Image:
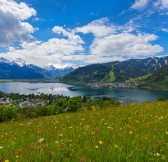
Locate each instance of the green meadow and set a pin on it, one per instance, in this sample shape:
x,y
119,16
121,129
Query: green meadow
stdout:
x,y
134,133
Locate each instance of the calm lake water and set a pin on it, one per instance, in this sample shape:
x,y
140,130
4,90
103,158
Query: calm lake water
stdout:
x,y
136,95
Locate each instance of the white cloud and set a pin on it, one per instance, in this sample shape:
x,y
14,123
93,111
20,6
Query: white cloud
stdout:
x,y
110,43
165,30
125,44
20,10
140,4
119,41
67,33
161,4
37,19
102,27
12,22
51,52
98,27
91,59
164,3
155,5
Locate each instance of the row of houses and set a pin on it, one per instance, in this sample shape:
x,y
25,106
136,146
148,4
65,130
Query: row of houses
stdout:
x,y
5,101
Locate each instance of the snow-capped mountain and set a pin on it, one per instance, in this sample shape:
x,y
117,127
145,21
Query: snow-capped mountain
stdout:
x,y
52,67
20,62
59,71
20,69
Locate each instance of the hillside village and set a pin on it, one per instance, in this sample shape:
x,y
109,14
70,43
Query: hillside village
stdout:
x,y
31,100
6,101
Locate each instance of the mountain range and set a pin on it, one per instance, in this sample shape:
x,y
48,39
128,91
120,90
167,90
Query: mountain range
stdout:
x,y
115,71
53,72
149,72
20,69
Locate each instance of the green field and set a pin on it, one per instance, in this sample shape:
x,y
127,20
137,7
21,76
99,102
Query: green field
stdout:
x,y
130,133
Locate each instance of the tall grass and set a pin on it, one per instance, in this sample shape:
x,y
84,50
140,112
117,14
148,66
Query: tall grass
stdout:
x,y
132,133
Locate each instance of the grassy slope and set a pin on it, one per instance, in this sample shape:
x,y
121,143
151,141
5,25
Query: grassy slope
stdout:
x,y
114,71
88,74
135,133
157,80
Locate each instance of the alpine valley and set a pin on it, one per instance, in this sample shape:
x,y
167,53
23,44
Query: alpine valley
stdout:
x,y
151,72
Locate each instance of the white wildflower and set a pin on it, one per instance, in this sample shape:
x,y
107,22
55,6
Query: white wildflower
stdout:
x,y
41,140
157,154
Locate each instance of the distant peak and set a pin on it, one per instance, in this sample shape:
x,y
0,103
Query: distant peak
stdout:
x,y
50,67
20,62
53,67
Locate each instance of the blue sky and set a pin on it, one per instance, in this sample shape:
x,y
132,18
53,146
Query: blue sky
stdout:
x,y
73,32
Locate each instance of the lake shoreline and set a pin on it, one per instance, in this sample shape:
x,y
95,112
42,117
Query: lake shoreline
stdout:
x,y
122,94
121,85
97,85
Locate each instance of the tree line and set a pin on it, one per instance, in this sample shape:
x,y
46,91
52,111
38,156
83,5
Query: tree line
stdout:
x,y
55,104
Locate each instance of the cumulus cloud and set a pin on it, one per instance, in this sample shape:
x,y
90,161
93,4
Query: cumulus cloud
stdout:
x,y
156,5
13,25
140,4
110,43
52,51
98,27
67,33
119,41
125,44
161,4
102,28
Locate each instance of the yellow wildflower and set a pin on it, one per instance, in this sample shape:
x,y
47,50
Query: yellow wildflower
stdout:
x,y
166,133
116,146
96,147
6,160
130,132
61,135
101,142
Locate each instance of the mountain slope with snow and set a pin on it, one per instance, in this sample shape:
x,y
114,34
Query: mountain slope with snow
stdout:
x,y
16,72
108,72
20,69
56,72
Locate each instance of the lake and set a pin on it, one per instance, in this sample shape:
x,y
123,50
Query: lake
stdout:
x,y
136,95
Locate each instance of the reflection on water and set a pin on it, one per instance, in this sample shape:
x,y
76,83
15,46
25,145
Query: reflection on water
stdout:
x,y
138,95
